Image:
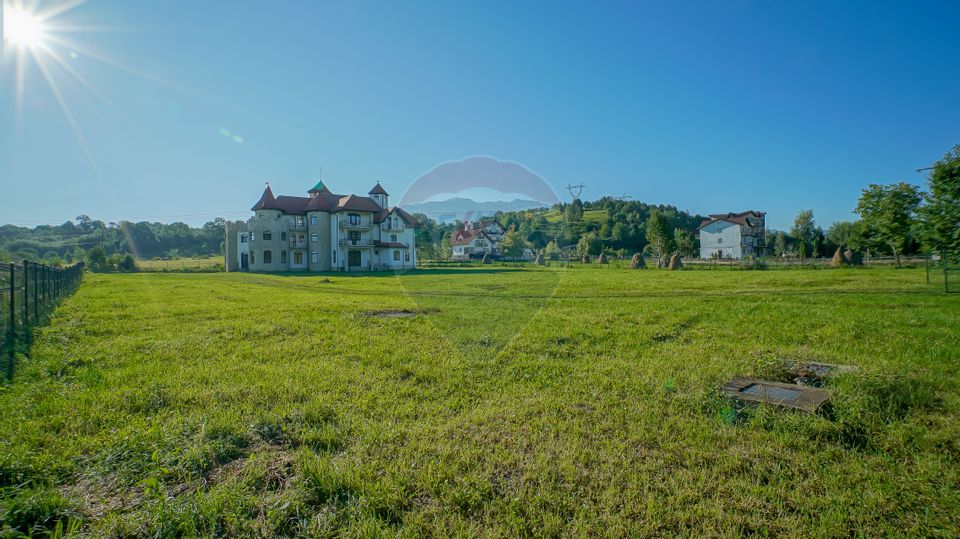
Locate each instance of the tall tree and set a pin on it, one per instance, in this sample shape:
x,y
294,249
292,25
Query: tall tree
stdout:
x,y
514,243
589,244
942,210
781,244
805,229
685,241
845,234
887,213
658,235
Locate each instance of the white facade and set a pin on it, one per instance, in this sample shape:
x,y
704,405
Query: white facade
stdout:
x,y
324,232
733,235
475,239
720,239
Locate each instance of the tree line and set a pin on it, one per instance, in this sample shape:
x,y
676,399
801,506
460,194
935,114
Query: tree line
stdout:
x,y
107,245
609,225
896,219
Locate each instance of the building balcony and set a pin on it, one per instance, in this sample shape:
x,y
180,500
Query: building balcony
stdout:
x,y
387,227
356,243
363,224
298,244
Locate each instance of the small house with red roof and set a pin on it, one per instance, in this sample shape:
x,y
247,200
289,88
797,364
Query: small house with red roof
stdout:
x,y
322,231
477,238
733,235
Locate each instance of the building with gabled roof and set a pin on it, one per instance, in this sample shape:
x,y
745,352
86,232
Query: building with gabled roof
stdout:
x,y
733,235
323,231
476,238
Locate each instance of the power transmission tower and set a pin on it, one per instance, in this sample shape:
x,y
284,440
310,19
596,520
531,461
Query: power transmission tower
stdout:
x,y
575,190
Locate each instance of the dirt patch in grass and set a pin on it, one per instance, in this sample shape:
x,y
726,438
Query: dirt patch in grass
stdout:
x,y
398,313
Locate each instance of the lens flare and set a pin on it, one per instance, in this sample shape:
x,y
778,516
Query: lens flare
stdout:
x,y
22,28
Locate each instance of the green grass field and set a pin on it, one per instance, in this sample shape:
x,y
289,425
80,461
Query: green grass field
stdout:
x,y
516,402
180,264
553,216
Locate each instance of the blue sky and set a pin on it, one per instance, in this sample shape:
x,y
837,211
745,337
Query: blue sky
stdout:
x,y
710,106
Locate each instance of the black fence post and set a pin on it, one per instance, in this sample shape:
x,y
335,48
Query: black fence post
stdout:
x,y
36,295
11,329
26,306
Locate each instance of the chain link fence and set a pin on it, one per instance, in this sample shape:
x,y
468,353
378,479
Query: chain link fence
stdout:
x,y
28,294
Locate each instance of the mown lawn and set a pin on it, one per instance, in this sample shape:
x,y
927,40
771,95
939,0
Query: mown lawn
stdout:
x,y
181,264
517,402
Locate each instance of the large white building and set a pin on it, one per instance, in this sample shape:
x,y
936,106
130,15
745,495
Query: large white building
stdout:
x,y
733,235
322,232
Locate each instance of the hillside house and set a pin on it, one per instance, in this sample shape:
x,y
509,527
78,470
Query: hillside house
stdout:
x,y
322,232
477,238
733,235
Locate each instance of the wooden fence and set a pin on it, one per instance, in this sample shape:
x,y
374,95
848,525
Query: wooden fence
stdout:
x,y
28,293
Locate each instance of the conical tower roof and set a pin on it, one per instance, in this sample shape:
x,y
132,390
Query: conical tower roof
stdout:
x,y
267,201
319,188
378,190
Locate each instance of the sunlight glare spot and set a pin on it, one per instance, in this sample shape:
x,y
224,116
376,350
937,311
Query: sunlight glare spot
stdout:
x,y
22,28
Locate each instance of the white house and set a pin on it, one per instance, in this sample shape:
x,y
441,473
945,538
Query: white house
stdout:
x,y
477,238
322,232
732,235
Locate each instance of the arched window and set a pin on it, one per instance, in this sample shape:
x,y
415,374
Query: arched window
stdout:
x,y
354,218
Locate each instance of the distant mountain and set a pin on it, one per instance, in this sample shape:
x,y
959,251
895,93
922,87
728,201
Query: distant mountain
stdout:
x,y
448,211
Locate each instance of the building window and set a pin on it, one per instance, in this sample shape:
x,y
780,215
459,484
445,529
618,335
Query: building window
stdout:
x,y
406,256
283,257
354,237
253,236
396,255
267,257
267,236
393,238
720,240
313,220
334,257
314,257
314,237
298,221
251,258
243,238
354,219
283,236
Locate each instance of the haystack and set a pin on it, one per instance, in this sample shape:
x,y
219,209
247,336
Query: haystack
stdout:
x,y
602,259
839,260
675,262
539,260
486,258
637,262
585,259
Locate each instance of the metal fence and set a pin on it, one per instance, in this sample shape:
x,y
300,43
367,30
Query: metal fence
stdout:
x,y
28,293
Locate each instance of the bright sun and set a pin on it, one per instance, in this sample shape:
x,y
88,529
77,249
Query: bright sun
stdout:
x,y
22,28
